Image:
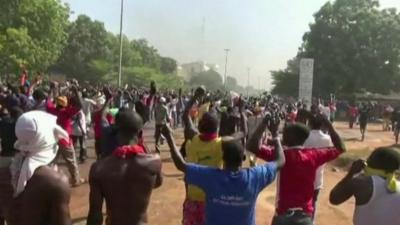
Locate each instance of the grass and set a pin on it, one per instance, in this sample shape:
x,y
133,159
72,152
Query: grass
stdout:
x,y
345,160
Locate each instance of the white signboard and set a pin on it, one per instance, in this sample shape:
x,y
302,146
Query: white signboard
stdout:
x,y
306,80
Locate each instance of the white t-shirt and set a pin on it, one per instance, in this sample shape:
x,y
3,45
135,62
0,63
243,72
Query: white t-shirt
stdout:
x,y
79,124
87,108
317,139
325,110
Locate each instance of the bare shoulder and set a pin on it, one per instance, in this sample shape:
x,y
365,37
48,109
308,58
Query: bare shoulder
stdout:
x,y
150,161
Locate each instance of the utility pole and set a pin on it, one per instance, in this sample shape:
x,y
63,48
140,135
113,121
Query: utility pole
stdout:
x,y
248,80
120,44
226,64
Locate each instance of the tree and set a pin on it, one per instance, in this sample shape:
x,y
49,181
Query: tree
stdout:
x,y
355,46
149,55
32,33
168,65
211,79
87,41
286,82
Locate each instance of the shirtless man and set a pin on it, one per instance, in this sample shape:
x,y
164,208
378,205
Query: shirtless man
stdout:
x,y
126,178
31,192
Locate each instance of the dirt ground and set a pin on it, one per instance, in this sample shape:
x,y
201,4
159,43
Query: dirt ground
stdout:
x,y
166,202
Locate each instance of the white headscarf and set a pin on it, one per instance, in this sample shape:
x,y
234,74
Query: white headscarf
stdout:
x,y
37,136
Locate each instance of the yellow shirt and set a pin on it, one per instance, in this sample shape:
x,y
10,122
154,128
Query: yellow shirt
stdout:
x,y
207,153
203,109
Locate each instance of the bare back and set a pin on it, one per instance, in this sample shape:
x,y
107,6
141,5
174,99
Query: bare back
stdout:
x,y
126,185
45,200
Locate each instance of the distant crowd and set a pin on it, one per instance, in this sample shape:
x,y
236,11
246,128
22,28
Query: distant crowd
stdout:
x,y
46,124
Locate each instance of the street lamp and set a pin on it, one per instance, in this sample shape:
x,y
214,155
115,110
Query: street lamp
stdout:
x,y
248,80
120,44
226,64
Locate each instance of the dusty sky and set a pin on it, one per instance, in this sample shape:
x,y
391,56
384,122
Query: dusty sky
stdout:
x,y
262,34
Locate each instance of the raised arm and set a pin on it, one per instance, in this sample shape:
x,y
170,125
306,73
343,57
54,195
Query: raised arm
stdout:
x,y
103,110
179,162
336,140
253,144
243,118
349,185
190,130
78,97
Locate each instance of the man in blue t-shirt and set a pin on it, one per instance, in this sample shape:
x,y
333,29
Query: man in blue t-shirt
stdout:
x,y
231,193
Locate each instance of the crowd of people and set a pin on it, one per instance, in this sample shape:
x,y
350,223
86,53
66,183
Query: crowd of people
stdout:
x,y
44,122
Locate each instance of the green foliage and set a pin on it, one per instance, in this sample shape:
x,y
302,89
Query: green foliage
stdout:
x,y
286,82
355,45
93,54
87,41
37,34
141,76
211,79
31,33
168,65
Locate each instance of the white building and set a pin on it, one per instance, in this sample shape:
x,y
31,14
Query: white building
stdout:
x,y
187,70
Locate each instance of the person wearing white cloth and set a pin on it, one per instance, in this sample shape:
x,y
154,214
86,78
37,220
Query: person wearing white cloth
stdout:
x,y
317,139
40,195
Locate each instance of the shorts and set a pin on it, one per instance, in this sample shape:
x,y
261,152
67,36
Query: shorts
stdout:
x,y
193,213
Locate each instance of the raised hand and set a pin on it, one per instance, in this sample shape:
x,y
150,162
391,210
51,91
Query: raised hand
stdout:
x,y
107,93
357,166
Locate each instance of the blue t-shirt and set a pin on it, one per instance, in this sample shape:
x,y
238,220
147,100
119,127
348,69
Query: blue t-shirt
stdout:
x,y
230,196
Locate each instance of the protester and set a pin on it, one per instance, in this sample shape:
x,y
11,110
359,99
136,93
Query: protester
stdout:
x,y
253,121
202,147
7,131
65,112
161,115
374,186
126,178
363,119
231,192
396,124
173,110
317,139
79,131
229,122
87,107
296,180
101,120
353,113
32,192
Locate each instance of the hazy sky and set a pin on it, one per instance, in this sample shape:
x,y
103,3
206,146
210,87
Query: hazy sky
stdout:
x,y
262,34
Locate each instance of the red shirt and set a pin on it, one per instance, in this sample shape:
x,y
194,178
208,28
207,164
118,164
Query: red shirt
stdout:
x,y
64,118
296,179
353,111
97,123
